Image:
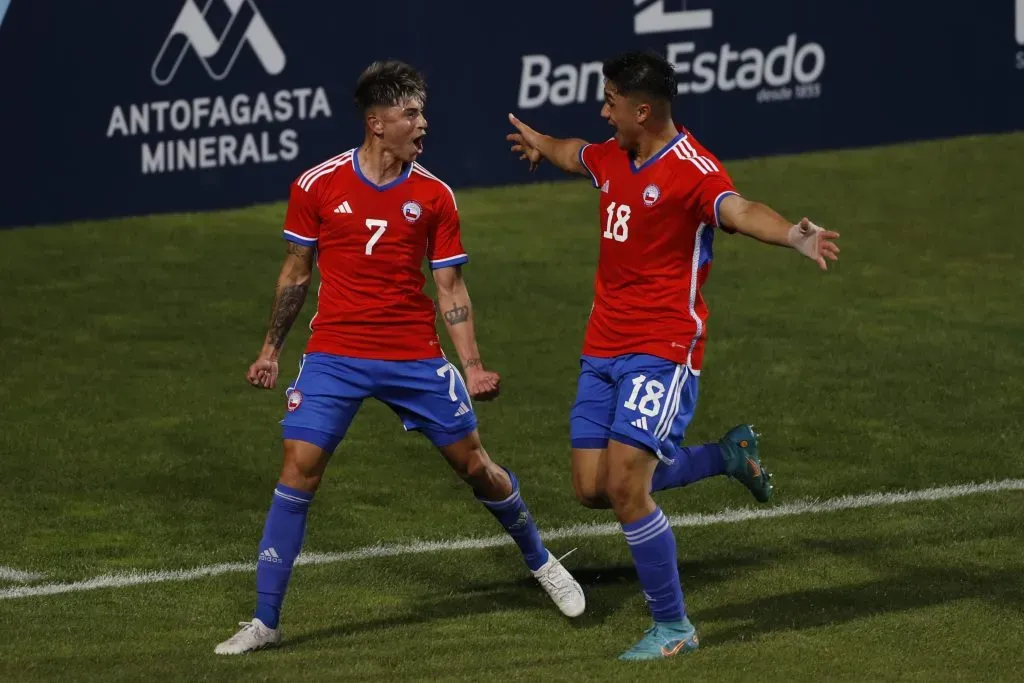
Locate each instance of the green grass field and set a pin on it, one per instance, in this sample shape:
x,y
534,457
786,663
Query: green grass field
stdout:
x,y
131,441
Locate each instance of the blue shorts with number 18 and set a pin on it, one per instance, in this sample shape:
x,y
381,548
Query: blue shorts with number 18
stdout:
x,y
641,400
429,396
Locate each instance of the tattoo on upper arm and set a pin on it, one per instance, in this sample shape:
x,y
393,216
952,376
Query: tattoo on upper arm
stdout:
x,y
287,305
298,250
457,314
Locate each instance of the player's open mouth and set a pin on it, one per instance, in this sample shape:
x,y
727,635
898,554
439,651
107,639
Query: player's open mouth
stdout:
x,y
418,143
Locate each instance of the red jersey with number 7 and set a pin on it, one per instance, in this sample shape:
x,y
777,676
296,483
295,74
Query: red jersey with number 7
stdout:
x,y
657,224
371,241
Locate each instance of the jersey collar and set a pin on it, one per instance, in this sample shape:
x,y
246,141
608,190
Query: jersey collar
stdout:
x,y
664,150
386,186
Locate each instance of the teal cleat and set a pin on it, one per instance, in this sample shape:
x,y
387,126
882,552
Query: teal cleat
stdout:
x,y
739,450
663,640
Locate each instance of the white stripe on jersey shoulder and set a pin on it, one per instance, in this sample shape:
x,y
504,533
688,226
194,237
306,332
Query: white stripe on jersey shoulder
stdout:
x,y
416,168
685,150
309,171
307,179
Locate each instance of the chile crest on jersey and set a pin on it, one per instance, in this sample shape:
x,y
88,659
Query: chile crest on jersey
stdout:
x,y
651,194
411,211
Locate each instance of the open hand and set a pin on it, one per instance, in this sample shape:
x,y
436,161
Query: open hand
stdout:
x,y
815,243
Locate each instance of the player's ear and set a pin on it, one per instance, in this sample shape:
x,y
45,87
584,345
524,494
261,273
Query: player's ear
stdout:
x,y
374,122
643,112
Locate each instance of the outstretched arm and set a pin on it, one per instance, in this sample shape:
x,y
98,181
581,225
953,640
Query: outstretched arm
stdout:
x,y
533,146
292,285
457,310
761,222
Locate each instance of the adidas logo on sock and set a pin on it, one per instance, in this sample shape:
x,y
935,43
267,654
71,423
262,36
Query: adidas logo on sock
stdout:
x,y
640,423
463,409
521,522
270,555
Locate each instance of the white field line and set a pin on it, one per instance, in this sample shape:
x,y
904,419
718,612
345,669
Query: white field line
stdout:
x,y
796,508
18,576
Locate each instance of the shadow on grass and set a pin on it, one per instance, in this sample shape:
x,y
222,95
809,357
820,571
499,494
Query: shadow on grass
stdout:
x,y
607,589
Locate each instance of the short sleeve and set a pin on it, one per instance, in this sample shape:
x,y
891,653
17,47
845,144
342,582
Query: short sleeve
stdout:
x,y
590,158
301,220
445,249
706,200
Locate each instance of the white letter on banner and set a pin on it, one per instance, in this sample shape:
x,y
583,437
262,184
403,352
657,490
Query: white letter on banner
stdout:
x,y
529,79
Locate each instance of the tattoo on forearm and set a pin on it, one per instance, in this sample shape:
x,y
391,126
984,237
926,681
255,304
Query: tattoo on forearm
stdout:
x,y
473,363
458,314
287,305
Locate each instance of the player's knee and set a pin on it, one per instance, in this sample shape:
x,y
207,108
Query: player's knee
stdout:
x,y
475,465
588,483
297,477
303,465
590,496
625,493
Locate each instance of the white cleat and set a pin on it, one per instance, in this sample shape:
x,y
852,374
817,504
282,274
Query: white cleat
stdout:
x,y
559,584
254,635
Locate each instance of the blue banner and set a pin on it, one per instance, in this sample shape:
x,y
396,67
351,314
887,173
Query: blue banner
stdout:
x,y
124,107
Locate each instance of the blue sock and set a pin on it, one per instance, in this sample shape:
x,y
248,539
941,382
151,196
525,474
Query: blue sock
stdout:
x,y
691,465
282,540
654,553
513,515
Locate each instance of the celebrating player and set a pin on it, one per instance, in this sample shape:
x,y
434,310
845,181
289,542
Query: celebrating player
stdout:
x,y
368,218
663,196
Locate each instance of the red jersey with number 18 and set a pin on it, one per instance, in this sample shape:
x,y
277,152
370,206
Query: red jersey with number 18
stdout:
x,y
657,227
370,242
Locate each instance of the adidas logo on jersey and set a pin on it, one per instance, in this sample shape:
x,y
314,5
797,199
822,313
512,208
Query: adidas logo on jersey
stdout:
x,y
270,555
343,208
640,423
463,409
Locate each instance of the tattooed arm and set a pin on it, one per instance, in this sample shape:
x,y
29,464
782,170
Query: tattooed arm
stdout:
x,y
292,285
457,311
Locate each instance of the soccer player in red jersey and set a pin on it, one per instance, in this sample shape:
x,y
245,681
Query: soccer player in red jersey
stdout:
x,y
663,197
368,218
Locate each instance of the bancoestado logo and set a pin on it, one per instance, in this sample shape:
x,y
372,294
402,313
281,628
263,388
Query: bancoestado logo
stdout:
x,y
783,72
1019,33
267,120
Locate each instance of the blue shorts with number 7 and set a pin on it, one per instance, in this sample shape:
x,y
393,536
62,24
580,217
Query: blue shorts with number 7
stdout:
x,y
641,400
429,396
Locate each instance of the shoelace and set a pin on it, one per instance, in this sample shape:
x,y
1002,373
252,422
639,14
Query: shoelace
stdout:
x,y
559,560
247,626
560,583
650,630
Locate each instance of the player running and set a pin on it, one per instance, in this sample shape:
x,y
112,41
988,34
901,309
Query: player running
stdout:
x,y
368,217
663,196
